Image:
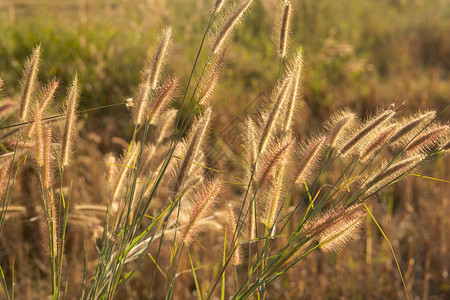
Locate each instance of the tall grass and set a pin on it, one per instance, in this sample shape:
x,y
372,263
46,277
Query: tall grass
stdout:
x,y
297,196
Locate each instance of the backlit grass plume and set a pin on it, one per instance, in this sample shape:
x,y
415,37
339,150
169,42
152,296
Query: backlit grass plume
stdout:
x,y
112,220
28,82
151,76
336,228
193,144
283,29
70,116
226,30
161,99
366,128
204,202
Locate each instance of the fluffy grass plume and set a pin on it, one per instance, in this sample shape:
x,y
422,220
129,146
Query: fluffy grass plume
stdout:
x,y
151,76
161,99
367,127
295,69
410,126
342,228
204,203
273,158
193,144
218,4
388,173
273,199
309,158
283,28
28,82
46,99
231,227
338,126
208,85
280,97
229,25
428,138
69,125
39,137
377,142
48,158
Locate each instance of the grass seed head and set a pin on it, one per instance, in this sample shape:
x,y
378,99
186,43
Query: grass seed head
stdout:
x,y
284,29
274,157
339,126
69,125
231,231
428,138
28,82
204,203
192,146
366,128
161,99
229,25
378,141
309,158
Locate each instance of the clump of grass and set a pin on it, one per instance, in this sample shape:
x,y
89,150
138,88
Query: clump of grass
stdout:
x,y
145,210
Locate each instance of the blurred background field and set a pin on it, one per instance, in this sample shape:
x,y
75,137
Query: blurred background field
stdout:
x,y
359,54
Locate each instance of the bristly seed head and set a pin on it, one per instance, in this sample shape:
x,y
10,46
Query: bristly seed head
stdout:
x,y
309,159
28,82
285,29
409,127
229,26
69,126
218,5
161,99
428,138
336,228
151,76
193,145
389,173
366,129
377,142
231,231
203,206
48,157
337,126
273,158
295,71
